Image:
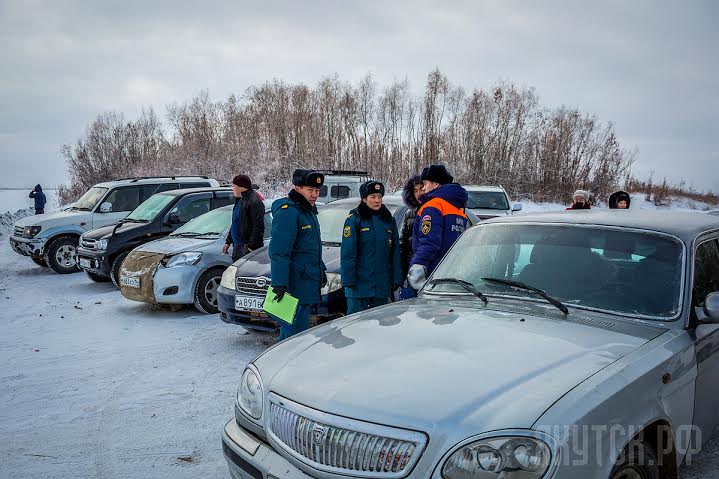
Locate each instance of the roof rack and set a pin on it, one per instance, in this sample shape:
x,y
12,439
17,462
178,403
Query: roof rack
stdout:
x,y
173,177
343,172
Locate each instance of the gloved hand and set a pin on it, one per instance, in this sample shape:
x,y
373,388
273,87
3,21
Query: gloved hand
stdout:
x,y
417,276
279,292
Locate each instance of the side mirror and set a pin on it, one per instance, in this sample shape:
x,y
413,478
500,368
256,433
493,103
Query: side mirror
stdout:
x,y
711,308
517,207
106,207
173,219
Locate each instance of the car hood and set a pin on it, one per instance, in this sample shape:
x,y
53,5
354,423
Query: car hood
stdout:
x,y
484,213
443,366
56,218
257,263
108,231
171,245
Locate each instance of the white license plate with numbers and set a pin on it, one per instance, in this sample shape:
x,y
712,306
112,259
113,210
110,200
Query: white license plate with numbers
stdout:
x,y
85,263
249,302
131,281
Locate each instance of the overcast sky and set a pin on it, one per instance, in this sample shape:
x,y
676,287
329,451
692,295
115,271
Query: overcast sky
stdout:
x,y
650,67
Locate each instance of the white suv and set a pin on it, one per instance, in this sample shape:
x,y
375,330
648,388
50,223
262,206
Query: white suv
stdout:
x,y
490,202
51,239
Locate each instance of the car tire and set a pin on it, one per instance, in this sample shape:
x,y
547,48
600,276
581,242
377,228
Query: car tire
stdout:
x,y
206,291
637,461
115,269
40,261
60,254
98,278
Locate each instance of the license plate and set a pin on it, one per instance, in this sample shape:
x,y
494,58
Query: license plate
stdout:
x,y
85,263
249,302
131,281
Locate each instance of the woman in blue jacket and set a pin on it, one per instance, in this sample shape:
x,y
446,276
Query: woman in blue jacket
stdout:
x,y
370,261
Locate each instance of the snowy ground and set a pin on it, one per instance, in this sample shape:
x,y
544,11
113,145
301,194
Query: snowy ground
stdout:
x,y
96,386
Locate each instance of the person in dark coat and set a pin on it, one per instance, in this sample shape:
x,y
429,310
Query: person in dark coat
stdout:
x,y
370,259
619,200
440,221
580,201
40,199
248,219
296,249
413,189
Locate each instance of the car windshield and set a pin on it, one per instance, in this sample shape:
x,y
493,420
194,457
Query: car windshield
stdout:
x,y
630,272
488,200
213,223
332,219
88,201
150,208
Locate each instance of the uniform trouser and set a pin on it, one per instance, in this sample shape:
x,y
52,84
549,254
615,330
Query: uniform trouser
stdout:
x,y
39,211
301,322
355,305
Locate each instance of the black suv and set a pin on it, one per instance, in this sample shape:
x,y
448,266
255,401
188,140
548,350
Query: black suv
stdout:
x,y
102,251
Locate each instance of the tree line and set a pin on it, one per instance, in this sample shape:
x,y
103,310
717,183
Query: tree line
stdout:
x,y
499,136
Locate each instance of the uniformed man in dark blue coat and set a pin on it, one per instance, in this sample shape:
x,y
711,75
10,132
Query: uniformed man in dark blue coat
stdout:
x,y
296,249
370,263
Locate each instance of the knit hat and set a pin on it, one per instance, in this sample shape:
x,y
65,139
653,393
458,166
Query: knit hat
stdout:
x,y
243,181
438,174
308,178
371,187
581,194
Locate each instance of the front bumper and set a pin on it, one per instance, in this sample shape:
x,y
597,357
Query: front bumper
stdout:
x,y
27,246
333,306
99,261
250,458
175,285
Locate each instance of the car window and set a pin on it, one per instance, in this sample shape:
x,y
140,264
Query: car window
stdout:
x,y
90,199
323,191
124,199
268,224
706,271
201,184
223,199
150,208
213,223
192,206
332,219
339,192
167,187
624,271
491,200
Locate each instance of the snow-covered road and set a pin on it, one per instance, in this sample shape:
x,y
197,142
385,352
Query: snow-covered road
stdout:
x,y
95,386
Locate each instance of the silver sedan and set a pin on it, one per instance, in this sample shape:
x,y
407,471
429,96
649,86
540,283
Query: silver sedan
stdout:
x,y
567,345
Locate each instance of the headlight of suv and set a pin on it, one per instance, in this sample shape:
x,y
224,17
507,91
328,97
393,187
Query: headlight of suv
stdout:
x,y
184,259
334,283
518,457
31,231
228,277
249,395
101,244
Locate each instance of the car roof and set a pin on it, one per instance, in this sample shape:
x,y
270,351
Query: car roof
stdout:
x,y
185,191
484,188
682,224
151,180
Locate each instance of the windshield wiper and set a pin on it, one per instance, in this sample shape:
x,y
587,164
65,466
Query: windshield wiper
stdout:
x,y
526,287
331,243
131,220
465,284
189,234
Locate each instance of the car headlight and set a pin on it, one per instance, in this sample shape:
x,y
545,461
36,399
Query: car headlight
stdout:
x,y
250,395
334,283
519,457
228,277
184,259
101,244
31,231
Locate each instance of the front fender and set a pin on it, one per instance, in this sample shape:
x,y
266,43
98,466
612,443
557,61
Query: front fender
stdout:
x,y
596,420
73,230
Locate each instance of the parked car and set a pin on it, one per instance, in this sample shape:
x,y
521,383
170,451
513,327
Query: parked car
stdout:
x,y
102,250
608,369
51,239
186,266
340,184
490,202
244,284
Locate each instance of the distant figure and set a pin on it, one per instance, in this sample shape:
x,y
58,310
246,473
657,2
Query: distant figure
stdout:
x,y
40,199
248,224
580,201
619,200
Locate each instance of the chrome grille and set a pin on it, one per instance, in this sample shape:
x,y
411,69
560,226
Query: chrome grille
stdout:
x,y
347,447
88,243
18,230
254,286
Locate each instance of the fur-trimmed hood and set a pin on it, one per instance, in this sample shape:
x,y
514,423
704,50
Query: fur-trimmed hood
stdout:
x,y
408,192
301,202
